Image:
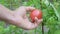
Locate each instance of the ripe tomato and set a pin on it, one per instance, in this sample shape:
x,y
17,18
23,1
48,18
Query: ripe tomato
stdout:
x,y
35,13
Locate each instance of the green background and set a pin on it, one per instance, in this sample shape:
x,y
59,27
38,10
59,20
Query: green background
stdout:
x,y
51,16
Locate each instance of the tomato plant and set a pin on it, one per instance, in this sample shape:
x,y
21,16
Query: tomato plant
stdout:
x,y
51,16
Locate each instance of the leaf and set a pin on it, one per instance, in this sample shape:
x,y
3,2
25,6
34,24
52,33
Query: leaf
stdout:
x,y
56,12
57,32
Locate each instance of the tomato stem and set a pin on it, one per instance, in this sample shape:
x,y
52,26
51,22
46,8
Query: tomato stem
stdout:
x,y
42,28
42,23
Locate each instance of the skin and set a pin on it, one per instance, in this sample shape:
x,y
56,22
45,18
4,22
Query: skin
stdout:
x,y
18,17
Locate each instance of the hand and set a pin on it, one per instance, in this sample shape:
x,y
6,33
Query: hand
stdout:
x,y
22,20
18,17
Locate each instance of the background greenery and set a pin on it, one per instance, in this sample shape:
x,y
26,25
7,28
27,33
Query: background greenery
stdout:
x,y
51,16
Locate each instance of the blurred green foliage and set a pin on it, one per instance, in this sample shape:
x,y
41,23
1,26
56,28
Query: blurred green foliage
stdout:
x,y
51,16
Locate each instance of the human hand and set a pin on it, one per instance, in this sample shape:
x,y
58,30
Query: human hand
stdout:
x,y
20,18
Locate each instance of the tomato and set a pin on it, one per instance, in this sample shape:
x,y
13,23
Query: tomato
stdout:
x,y
35,13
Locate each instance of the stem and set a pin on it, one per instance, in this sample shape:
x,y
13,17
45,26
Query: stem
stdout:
x,y
42,28
42,23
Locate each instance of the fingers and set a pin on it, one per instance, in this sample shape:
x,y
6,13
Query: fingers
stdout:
x,y
30,8
38,21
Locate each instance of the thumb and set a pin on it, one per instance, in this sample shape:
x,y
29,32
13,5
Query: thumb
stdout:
x,y
38,21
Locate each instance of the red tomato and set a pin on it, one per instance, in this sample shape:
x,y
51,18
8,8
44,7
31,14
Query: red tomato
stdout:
x,y
35,13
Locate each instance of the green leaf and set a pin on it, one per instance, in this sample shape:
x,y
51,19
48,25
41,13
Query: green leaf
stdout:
x,y
57,32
